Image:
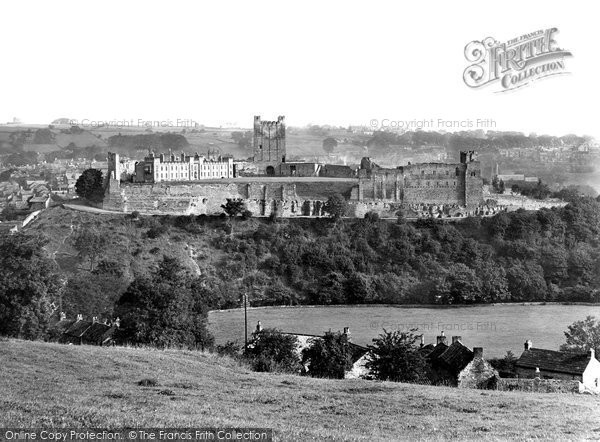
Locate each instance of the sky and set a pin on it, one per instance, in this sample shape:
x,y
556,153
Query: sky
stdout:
x,y
335,62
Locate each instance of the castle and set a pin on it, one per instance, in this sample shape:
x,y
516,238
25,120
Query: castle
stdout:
x,y
183,184
187,185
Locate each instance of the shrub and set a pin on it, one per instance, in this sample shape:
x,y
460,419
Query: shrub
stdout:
x,y
328,357
230,348
396,357
272,351
157,231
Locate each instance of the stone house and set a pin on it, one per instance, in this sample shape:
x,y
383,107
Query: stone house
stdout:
x,y
557,365
457,365
79,331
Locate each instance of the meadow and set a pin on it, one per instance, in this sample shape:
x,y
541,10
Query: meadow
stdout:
x,y
57,386
497,328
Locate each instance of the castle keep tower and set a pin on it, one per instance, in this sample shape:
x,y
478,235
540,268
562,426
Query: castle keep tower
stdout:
x,y
269,143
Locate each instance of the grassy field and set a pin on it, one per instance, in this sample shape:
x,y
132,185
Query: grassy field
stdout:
x,y
52,385
496,328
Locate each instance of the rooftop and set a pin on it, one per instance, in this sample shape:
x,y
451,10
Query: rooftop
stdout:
x,y
556,361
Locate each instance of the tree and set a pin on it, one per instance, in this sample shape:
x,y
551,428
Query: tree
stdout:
x,y
90,244
234,207
43,136
270,350
90,185
163,310
29,282
328,357
329,144
583,335
395,356
336,206
460,285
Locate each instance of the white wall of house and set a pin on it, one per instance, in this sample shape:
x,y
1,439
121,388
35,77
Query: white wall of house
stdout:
x,y
591,375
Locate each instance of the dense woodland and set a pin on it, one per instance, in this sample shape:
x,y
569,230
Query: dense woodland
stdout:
x,y
547,255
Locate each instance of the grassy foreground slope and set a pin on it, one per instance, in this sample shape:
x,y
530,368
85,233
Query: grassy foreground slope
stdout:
x,y
52,385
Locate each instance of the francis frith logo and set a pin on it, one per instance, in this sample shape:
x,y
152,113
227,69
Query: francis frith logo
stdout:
x,y
514,63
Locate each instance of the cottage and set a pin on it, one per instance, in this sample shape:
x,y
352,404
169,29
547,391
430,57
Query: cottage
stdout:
x,y
457,365
550,364
99,334
80,332
39,202
74,334
359,353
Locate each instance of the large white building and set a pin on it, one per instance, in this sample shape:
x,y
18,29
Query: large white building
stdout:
x,y
156,169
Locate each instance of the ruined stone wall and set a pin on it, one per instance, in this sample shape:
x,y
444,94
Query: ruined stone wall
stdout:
x,y
539,385
434,195
337,171
287,199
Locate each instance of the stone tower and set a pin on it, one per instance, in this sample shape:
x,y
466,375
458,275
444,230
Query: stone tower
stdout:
x,y
114,166
473,180
269,144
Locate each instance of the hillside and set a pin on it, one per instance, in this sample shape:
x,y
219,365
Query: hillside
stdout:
x,y
53,385
545,255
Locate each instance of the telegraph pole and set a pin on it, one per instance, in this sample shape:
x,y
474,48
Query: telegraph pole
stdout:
x,y
245,321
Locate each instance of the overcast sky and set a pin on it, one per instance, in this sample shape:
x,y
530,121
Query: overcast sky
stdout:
x,y
222,62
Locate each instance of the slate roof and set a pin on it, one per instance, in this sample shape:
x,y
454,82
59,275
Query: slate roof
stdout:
x,y
456,357
98,333
555,361
427,349
78,329
63,325
437,351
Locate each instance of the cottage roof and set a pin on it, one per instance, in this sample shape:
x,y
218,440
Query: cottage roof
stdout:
x,y
78,329
457,356
427,349
63,325
437,351
556,361
98,333
39,199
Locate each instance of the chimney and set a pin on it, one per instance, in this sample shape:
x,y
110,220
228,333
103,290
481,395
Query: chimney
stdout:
x,y
592,353
456,339
63,316
422,340
477,352
347,333
94,319
441,339
528,344
80,317
258,327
